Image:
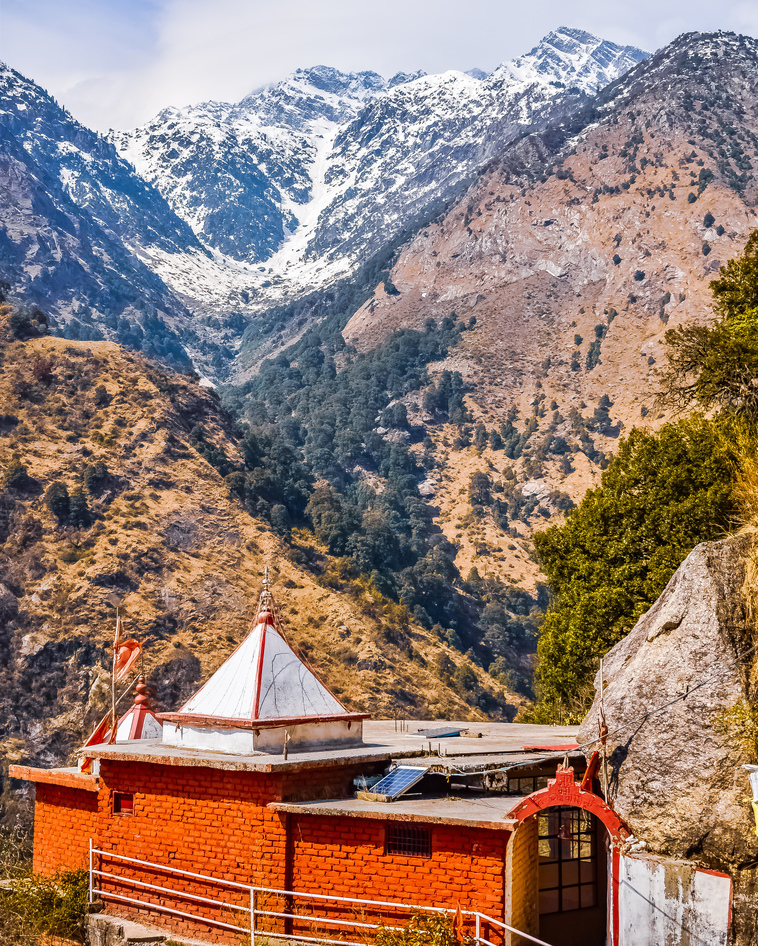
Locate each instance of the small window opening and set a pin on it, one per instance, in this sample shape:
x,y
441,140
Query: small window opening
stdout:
x,y
123,803
413,842
525,786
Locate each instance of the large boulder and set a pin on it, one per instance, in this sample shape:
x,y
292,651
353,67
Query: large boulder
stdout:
x,y
675,773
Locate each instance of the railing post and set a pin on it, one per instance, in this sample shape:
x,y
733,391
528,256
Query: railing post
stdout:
x,y
478,929
252,916
89,892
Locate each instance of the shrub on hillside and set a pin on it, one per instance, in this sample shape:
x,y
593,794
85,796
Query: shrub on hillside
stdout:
x,y
26,324
17,477
58,501
102,398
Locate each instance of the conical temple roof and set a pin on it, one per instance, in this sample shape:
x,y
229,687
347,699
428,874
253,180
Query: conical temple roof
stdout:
x,y
139,721
263,681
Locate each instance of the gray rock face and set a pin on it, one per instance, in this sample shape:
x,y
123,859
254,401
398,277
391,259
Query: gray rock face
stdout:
x,y
675,776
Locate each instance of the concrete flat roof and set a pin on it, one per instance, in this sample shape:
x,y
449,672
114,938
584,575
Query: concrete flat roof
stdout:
x,y
154,752
491,812
476,739
481,745
382,741
66,777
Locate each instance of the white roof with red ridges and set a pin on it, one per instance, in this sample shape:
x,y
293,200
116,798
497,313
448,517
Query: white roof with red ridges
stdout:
x,y
263,680
139,722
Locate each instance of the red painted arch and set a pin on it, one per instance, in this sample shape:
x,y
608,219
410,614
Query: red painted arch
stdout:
x,y
564,790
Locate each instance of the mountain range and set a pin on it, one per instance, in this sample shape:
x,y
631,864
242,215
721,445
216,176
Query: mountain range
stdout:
x,y
172,236
446,295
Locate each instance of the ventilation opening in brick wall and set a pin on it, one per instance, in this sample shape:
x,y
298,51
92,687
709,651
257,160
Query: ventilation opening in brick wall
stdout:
x,y
123,803
414,842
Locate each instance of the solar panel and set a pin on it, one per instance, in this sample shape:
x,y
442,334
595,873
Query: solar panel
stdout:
x,y
399,780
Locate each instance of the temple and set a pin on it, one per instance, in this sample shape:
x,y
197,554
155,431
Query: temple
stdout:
x,y
262,806
263,699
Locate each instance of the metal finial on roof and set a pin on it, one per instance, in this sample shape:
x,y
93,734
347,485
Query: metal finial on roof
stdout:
x,y
143,693
266,609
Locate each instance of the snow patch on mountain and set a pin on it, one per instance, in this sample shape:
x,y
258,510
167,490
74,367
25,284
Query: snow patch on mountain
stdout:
x,y
297,182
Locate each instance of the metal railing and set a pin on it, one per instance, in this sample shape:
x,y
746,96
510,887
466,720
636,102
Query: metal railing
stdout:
x,y
252,911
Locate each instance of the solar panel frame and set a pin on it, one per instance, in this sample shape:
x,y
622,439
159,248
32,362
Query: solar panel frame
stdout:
x,y
399,780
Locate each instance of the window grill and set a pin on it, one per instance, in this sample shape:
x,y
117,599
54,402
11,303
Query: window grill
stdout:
x,y
568,860
413,842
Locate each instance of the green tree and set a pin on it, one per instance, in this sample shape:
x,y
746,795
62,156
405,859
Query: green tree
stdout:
x,y
96,477
736,289
464,679
58,501
479,489
661,495
79,514
716,366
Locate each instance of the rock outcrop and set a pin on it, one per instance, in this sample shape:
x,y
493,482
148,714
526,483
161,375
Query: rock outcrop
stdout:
x,y
675,773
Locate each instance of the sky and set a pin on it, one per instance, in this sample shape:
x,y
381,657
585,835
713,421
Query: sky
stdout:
x,y
116,63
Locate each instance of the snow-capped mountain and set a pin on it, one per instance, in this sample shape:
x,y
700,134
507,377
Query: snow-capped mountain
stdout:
x,y
296,182
169,237
234,172
75,221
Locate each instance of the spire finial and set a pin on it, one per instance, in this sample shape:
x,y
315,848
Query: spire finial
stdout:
x,y
265,578
143,692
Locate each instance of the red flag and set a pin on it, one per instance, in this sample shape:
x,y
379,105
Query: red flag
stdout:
x,y
126,653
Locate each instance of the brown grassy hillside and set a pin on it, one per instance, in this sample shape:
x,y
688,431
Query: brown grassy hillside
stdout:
x,y
166,534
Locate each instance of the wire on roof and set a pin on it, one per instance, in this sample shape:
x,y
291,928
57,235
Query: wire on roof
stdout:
x,y
624,726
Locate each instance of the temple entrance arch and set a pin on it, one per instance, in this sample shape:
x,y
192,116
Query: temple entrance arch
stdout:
x,y
577,837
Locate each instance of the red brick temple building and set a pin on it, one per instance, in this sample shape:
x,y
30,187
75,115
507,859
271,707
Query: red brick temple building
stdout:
x,y
263,806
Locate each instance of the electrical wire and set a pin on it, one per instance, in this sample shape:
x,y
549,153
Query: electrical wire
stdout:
x,y
629,724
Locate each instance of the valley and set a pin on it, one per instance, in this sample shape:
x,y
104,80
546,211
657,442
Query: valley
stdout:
x,y
433,306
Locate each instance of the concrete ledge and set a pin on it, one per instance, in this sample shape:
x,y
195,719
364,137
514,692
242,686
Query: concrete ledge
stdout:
x,y
157,753
491,813
66,778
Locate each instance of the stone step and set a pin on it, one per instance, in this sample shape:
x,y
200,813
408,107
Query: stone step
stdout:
x,y
105,930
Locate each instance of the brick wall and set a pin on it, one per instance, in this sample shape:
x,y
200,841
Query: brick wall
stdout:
x,y
64,821
347,857
522,882
216,823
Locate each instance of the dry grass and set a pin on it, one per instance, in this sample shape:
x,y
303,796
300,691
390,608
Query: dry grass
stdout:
x,y
186,556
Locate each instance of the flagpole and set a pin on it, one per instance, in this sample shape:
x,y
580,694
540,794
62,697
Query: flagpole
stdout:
x,y
113,677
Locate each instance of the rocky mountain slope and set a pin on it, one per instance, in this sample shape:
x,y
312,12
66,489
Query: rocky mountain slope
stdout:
x,y
572,254
78,226
306,176
111,480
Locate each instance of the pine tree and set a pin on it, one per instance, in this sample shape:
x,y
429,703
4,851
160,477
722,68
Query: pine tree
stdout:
x,y
79,514
58,501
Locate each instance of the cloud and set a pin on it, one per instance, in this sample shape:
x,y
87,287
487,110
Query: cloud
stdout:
x,y
120,62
